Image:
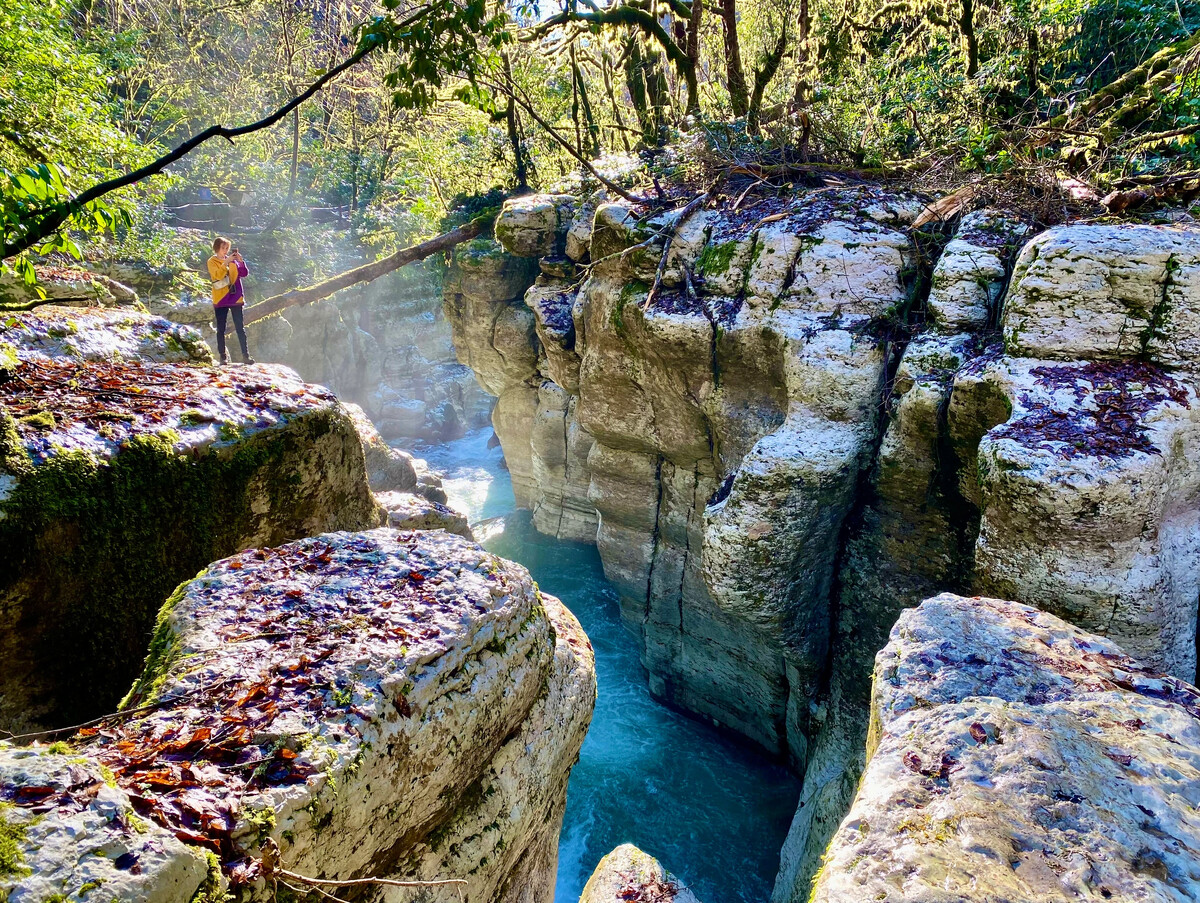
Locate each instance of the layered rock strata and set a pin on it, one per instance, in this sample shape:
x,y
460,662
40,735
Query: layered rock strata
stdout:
x,y
1014,757
382,704
1064,483
764,524
629,874
709,442
120,476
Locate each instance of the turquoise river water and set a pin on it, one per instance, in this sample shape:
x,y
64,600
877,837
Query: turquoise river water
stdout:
x,y
712,809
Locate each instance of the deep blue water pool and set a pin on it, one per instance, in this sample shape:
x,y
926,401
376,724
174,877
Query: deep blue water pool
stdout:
x,y
712,809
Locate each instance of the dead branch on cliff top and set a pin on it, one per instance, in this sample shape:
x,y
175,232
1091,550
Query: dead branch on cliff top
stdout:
x,y
684,215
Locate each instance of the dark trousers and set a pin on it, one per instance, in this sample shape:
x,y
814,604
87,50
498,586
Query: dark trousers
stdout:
x,y
223,324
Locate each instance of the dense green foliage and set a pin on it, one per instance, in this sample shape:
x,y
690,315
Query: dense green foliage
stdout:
x,y
459,97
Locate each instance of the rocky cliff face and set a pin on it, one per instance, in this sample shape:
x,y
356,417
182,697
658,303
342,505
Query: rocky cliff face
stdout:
x,y
386,704
823,418
711,442
1014,757
127,462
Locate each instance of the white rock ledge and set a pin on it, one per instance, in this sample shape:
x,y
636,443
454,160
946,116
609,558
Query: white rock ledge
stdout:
x,y
386,704
1013,757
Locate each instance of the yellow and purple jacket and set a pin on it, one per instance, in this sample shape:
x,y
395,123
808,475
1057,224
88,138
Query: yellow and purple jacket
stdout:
x,y
226,276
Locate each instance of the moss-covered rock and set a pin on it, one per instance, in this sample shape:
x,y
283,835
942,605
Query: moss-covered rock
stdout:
x,y
148,472
391,704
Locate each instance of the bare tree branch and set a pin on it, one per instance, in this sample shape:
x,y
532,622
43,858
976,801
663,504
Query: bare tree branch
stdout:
x,y
54,218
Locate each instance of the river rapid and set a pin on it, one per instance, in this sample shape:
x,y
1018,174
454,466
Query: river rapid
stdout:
x,y
711,808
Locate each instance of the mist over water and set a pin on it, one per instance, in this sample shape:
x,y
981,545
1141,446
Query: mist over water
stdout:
x,y
712,809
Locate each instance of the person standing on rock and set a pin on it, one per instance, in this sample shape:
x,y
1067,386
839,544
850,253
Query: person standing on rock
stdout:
x,y
226,269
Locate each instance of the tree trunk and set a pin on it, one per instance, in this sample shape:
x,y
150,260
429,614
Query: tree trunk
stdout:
x,y
802,89
970,43
575,102
659,92
635,81
606,69
589,117
762,78
739,94
367,272
1032,63
294,178
693,54
520,168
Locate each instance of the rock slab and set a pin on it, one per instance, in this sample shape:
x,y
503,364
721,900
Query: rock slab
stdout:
x,y
127,463
1013,757
380,704
629,875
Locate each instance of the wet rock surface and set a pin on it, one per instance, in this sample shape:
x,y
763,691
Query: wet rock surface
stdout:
x,y
629,874
387,704
71,831
97,334
1015,757
120,475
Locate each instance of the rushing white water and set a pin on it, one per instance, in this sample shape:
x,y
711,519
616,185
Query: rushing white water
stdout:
x,y
713,810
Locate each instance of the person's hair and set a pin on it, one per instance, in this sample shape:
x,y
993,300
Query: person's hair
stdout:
x,y
221,242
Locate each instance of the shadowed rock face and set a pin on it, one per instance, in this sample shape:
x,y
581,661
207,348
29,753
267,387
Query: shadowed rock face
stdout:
x,y
387,704
1015,757
765,525
121,475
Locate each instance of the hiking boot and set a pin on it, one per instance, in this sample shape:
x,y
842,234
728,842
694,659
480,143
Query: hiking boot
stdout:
x,y
224,360
249,360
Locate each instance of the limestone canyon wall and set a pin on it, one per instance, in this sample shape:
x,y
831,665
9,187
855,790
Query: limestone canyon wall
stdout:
x,y
826,416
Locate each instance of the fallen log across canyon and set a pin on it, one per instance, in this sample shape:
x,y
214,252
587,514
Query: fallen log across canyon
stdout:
x,y
370,271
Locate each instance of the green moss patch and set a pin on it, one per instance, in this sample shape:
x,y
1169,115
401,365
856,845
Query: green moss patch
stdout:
x,y
716,258
42,420
94,548
12,836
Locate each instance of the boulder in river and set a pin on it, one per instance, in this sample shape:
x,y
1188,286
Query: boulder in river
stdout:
x,y
629,875
408,511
